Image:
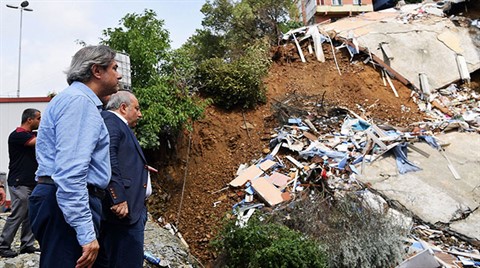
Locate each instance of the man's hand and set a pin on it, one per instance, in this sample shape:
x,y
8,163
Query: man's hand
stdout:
x,y
120,209
89,255
3,196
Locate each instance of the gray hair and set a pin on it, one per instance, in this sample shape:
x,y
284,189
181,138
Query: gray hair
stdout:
x,y
29,113
85,58
117,99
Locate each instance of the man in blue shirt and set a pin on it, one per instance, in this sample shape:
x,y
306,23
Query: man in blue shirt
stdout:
x,y
74,162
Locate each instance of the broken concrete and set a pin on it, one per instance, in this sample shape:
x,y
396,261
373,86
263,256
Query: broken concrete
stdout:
x,y
433,194
425,45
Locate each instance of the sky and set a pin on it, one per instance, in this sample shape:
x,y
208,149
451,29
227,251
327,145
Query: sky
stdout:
x,y
50,31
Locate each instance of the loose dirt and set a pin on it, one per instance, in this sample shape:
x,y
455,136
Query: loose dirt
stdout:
x,y
219,144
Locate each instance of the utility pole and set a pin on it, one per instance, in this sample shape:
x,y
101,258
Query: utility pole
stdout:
x,y
23,6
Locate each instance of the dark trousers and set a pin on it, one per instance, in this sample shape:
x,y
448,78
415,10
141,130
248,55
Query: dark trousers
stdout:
x,y
19,216
121,245
57,239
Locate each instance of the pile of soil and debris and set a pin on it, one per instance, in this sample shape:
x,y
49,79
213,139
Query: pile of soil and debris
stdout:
x,y
218,143
192,191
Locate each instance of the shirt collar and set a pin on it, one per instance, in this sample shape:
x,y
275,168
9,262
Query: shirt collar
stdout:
x,y
89,93
21,129
120,116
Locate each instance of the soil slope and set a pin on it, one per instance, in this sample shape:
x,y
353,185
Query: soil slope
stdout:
x,y
191,191
219,144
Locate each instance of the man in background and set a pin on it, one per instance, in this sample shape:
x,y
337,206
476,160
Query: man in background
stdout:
x,y
3,195
122,231
74,162
21,181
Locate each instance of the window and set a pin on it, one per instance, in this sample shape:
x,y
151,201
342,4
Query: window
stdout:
x,y
357,2
336,2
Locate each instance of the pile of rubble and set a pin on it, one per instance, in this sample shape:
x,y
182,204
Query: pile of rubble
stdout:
x,y
328,152
329,149
415,44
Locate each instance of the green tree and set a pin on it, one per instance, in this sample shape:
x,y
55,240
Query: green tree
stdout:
x,y
141,36
239,82
159,76
230,26
232,49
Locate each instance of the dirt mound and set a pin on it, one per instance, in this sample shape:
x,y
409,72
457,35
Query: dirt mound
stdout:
x,y
219,144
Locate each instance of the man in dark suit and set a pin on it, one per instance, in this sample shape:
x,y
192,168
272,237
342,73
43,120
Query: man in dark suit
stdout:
x,y
124,211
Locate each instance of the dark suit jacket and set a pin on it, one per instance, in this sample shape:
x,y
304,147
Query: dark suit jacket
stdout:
x,y
129,172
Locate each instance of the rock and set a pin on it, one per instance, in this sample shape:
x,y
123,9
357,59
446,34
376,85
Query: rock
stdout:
x,y
158,241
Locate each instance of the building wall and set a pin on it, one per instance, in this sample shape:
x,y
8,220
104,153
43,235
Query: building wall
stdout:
x,y
326,10
11,110
322,10
344,2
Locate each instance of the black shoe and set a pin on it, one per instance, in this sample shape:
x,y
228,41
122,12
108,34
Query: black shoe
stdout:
x,y
30,249
8,253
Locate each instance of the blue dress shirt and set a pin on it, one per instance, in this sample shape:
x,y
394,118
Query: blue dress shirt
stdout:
x,y
73,148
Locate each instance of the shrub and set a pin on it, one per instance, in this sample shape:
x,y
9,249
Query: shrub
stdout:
x,y
236,82
260,244
355,235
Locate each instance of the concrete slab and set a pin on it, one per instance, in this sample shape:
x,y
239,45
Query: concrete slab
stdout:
x,y
429,45
433,194
470,225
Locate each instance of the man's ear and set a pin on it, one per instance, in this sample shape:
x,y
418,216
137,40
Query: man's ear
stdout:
x,y
96,71
123,107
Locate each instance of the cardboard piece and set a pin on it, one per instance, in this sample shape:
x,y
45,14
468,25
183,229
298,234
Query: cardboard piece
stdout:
x,y
278,179
267,165
267,191
251,173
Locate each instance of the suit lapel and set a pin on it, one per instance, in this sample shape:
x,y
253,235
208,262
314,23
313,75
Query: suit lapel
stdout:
x,y
137,145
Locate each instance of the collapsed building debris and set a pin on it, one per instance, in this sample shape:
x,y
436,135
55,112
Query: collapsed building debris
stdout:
x,y
331,149
416,45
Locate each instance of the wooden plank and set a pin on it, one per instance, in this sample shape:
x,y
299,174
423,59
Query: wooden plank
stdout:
x,y
295,162
310,125
310,136
464,254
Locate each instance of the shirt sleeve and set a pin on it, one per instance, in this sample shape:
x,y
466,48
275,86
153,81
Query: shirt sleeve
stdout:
x,y
78,128
22,138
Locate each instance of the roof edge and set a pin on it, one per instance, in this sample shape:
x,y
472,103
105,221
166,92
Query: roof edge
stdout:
x,y
25,99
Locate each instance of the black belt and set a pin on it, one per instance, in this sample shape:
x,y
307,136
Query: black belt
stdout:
x,y
92,190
